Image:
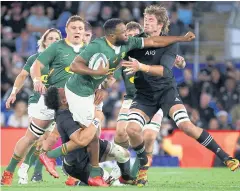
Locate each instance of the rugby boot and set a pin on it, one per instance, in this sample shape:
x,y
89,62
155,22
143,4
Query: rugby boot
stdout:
x,y
7,178
50,164
232,163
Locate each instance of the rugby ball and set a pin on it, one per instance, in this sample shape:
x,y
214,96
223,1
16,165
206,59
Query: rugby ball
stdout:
x,y
95,61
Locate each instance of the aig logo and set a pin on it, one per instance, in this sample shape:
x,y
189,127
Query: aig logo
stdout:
x,y
150,52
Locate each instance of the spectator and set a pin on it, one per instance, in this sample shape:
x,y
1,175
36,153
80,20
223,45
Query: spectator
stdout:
x,y
19,118
105,13
188,77
7,39
232,71
206,113
6,83
217,81
235,113
17,22
229,95
125,15
176,27
211,62
26,44
185,12
89,10
109,104
37,22
222,117
186,95
17,64
195,118
213,124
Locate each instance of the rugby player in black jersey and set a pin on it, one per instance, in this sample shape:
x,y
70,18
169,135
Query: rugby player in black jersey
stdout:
x,y
156,88
77,162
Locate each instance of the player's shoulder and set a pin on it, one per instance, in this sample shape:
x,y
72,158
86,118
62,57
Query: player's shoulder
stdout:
x,y
33,57
142,35
58,43
99,41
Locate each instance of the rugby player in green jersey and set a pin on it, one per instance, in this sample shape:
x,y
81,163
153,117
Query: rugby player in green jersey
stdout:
x,y
58,58
34,112
81,86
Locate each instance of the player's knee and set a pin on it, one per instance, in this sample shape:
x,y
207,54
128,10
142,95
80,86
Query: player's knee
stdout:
x,y
121,132
29,140
133,129
187,127
149,136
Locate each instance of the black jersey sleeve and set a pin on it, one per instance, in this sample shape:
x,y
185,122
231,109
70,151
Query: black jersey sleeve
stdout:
x,y
70,126
169,56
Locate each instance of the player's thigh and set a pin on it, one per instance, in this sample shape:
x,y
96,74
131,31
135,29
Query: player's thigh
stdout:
x,y
40,111
169,99
82,108
122,119
155,123
141,111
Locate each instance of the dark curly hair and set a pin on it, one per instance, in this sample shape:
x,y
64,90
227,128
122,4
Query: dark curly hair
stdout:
x,y
51,98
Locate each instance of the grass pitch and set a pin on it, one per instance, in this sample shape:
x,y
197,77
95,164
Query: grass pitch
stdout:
x,y
162,179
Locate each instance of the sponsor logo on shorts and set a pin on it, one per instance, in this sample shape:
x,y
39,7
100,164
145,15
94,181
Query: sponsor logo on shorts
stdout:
x,y
177,99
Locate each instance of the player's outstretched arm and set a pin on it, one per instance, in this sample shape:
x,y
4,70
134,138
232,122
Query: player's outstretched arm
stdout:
x,y
79,66
18,84
162,41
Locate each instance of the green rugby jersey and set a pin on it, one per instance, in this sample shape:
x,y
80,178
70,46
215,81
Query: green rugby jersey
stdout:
x,y
85,85
44,71
58,57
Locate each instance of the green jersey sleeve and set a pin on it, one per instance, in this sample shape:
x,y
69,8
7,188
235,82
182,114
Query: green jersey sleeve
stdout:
x,y
89,51
118,74
135,43
30,62
48,55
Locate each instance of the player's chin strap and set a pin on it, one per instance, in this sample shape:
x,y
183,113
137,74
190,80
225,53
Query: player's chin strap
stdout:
x,y
137,117
36,130
180,116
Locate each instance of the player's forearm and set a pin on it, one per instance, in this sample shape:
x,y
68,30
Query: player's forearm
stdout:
x,y
162,41
35,70
81,68
19,82
86,135
154,70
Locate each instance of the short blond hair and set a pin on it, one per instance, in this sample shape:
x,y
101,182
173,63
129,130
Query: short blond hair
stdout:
x,y
75,18
161,14
134,25
41,41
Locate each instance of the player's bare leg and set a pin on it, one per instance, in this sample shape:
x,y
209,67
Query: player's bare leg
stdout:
x,y
180,116
46,145
136,121
150,132
121,136
36,129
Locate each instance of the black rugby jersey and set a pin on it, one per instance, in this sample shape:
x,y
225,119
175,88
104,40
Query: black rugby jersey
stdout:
x,y
165,56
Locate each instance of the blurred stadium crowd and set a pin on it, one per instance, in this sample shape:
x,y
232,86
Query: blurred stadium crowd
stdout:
x,y
213,100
